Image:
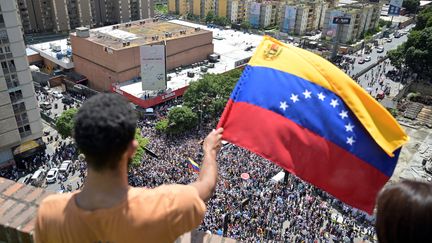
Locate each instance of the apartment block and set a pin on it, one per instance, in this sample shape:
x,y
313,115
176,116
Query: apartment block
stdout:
x,y
202,7
287,18
43,15
180,7
107,12
221,8
232,11
364,17
66,15
302,18
19,115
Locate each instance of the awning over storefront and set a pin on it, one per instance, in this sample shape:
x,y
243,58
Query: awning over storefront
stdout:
x,y
28,147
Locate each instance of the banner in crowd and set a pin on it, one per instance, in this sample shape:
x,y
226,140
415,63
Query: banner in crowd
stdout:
x,y
304,114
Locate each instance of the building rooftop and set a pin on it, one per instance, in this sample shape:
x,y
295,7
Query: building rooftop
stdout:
x,y
59,52
230,44
139,32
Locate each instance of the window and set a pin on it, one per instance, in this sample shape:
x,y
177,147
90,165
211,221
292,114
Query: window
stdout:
x,y
2,24
7,49
15,96
11,81
21,119
19,108
24,131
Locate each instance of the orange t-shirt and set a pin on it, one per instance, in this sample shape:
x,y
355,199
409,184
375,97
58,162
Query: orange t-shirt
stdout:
x,y
148,215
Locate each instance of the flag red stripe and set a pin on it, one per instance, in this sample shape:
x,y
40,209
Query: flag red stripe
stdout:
x,y
303,153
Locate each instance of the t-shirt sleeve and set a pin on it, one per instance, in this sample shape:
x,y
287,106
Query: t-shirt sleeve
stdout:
x,y
39,226
186,210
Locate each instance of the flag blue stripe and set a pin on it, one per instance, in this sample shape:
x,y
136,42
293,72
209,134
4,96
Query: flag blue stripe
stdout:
x,y
299,100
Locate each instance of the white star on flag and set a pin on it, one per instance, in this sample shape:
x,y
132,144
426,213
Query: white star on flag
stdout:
x,y
294,98
349,127
307,94
321,96
350,141
334,103
343,114
283,105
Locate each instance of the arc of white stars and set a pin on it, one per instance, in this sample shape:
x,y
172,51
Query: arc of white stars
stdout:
x,y
307,94
321,96
294,98
334,103
343,114
349,127
350,141
283,105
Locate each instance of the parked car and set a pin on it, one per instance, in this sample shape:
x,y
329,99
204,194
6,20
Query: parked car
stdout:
x,y
38,177
380,49
52,175
367,59
65,167
57,94
45,106
361,61
389,40
67,100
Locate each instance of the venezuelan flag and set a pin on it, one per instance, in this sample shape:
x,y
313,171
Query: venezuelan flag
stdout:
x,y
193,165
304,114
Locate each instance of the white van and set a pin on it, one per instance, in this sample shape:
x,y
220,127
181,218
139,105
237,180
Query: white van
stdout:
x,y
38,177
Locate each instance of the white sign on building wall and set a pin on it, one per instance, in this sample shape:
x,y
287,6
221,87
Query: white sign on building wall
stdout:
x,y
153,67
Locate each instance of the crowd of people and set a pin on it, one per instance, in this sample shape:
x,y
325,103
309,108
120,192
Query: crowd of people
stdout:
x,y
258,209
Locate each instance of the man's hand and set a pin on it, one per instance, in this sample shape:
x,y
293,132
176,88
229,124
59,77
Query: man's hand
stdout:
x,y
213,142
206,183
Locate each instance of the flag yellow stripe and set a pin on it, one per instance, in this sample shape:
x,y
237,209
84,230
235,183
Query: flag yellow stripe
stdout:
x,y
380,124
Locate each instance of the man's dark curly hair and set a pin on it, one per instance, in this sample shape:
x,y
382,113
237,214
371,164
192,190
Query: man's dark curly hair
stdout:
x,y
104,127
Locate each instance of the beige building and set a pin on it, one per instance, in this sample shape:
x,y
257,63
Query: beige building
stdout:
x,y
106,58
269,11
302,19
180,7
20,121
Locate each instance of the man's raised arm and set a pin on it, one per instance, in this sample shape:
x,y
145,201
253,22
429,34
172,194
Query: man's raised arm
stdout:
x,y
206,183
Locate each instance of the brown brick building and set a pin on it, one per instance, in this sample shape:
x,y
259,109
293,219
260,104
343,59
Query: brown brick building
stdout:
x,y
111,54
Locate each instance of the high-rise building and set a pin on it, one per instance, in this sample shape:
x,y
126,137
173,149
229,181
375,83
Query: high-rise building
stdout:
x,y
302,17
43,15
19,115
65,15
180,7
221,8
233,9
201,7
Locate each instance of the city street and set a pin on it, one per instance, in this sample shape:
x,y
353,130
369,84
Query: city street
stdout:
x,y
374,54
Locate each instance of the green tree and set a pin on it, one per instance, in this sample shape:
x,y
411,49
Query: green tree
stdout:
x,y
246,25
424,19
209,17
210,94
142,143
181,119
416,52
397,57
162,125
222,21
411,5
65,122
